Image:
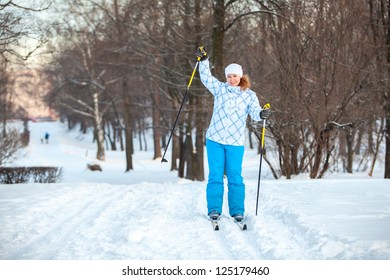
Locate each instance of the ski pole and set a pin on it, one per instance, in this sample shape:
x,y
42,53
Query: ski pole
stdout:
x,y
266,107
181,106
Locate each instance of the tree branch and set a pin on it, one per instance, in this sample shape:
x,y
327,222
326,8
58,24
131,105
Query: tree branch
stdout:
x,y
248,14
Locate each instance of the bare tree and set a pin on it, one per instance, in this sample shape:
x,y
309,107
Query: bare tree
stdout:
x,y
380,27
318,63
17,24
10,143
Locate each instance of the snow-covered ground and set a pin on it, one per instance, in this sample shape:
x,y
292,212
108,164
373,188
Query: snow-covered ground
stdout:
x,y
151,214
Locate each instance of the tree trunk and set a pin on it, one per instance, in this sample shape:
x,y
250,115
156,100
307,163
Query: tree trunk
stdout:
x,y
188,146
329,150
176,147
286,160
200,112
188,157
380,134
387,136
128,125
156,125
349,137
317,160
100,155
386,95
181,154
294,159
218,38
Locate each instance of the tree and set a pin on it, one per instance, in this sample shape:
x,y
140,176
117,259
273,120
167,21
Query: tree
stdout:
x,y
10,143
380,27
17,26
80,90
17,23
323,66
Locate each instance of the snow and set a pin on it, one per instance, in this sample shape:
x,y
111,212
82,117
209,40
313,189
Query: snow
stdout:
x,y
151,214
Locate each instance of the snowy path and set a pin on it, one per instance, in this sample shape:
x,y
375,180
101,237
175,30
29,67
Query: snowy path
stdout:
x,y
117,222
149,213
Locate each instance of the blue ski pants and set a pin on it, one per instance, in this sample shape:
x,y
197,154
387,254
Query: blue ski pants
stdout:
x,y
220,158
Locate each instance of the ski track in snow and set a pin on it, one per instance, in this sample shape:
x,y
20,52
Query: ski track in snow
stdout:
x,y
116,222
149,213
106,222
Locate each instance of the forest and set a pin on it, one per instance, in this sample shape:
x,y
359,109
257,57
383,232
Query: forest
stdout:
x,y
122,67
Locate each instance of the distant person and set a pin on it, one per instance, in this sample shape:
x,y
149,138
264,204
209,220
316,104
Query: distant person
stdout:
x,y
47,137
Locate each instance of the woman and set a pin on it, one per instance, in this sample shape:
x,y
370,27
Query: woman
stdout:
x,y
233,101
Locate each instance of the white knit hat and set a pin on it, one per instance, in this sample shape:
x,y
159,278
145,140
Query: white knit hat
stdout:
x,y
233,68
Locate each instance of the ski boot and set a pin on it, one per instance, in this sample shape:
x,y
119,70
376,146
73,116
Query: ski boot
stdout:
x,y
238,217
214,215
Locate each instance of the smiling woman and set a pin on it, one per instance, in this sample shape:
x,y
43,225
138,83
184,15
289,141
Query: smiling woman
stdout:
x,y
233,102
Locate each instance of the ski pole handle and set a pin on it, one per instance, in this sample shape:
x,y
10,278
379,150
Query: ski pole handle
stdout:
x,y
265,107
193,73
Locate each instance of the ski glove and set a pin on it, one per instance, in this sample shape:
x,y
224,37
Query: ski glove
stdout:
x,y
265,113
201,53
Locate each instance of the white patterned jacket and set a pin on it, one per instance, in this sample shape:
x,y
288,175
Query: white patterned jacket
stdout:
x,y
231,108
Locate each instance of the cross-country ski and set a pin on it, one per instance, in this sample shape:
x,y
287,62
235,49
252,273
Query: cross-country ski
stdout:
x,y
215,224
242,225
